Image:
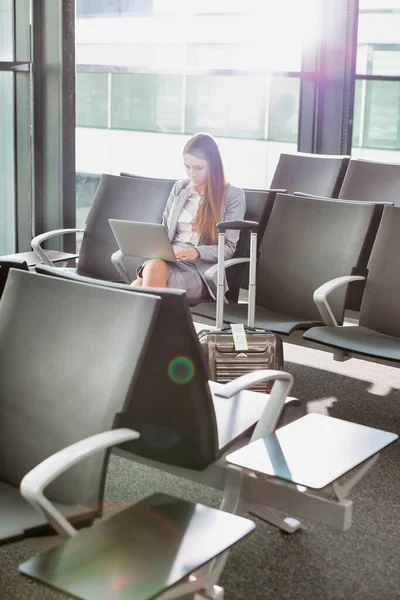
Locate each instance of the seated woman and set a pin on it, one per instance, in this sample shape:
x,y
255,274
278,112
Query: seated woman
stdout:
x,y
193,209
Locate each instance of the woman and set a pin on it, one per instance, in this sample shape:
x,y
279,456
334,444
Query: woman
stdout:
x,y
193,209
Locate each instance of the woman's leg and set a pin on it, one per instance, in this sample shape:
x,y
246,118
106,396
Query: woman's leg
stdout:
x,y
137,282
155,273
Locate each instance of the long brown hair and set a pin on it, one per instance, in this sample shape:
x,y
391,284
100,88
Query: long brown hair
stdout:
x,y
209,213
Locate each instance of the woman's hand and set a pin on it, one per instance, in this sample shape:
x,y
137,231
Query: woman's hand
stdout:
x,y
187,254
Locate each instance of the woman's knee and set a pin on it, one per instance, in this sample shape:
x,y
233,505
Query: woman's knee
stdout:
x,y
137,282
155,266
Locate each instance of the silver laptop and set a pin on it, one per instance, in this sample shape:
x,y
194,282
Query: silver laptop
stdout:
x,y
146,240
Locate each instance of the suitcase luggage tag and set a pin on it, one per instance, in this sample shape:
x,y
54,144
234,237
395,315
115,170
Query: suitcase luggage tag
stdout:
x,y
239,337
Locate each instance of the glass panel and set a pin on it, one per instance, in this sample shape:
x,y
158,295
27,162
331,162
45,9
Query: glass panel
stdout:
x,y
283,121
147,102
226,106
92,99
377,114
7,186
258,33
359,116
113,8
6,30
86,186
379,37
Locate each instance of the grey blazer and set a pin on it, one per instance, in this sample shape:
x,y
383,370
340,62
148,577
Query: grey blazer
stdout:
x,y
235,210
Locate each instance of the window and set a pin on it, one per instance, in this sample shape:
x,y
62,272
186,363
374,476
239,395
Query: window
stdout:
x,y
226,106
92,99
147,102
376,124
104,8
377,115
150,74
283,122
7,191
7,172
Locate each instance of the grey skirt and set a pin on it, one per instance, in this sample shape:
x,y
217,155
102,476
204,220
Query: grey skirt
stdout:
x,y
185,276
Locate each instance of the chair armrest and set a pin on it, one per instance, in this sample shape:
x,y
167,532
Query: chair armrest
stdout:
x,y
212,271
37,241
277,191
283,383
34,482
116,259
320,297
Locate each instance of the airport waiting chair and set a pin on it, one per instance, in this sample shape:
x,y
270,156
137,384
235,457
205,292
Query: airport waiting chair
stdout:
x,y
377,336
306,240
309,173
5,266
318,174
61,382
371,181
61,386
119,198
187,426
175,410
355,289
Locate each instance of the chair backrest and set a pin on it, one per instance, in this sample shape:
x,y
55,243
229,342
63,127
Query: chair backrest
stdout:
x,y
258,208
380,307
69,357
371,181
318,174
171,405
355,289
125,174
118,198
5,266
306,243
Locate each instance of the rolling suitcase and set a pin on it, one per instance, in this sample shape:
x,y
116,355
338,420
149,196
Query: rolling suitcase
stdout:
x,y
236,349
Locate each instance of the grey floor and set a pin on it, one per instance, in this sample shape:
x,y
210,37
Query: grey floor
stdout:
x,y
316,563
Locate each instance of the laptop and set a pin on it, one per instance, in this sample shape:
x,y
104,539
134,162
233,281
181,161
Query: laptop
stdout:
x,y
145,240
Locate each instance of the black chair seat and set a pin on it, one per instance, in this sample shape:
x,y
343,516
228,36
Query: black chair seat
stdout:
x,y
267,319
357,339
139,552
19,519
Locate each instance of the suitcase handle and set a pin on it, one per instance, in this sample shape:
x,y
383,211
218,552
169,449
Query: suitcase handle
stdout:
x,y
221,273
237,225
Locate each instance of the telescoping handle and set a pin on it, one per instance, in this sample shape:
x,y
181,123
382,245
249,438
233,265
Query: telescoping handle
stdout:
x,y
236,225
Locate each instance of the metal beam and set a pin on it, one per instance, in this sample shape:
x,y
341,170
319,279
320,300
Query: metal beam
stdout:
x,y
53,25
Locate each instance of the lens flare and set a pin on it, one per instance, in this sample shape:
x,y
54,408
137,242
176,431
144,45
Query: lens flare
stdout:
x,y
181,370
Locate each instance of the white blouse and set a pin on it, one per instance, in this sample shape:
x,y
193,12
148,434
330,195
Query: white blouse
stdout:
x,y
184,229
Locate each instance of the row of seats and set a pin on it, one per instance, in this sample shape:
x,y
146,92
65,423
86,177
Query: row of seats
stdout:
x,y
304,242
87,370
340,236
126,198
